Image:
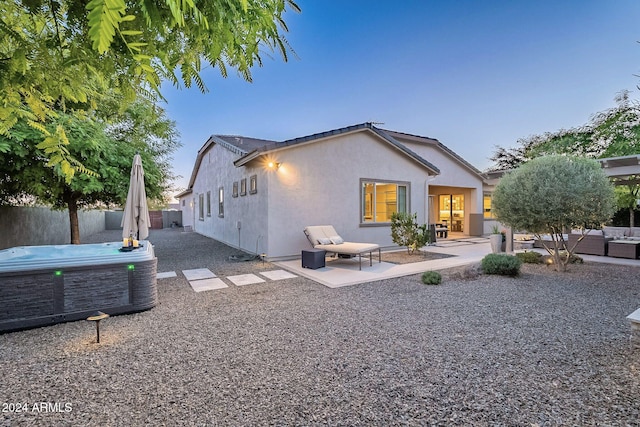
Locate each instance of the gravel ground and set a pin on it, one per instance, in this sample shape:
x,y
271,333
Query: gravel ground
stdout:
x,y
543,349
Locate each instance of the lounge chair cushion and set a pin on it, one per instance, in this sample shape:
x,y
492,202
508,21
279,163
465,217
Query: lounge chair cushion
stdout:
x,y
349,248
336,240
324,240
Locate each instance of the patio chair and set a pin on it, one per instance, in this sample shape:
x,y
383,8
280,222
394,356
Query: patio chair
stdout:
x,y
325,237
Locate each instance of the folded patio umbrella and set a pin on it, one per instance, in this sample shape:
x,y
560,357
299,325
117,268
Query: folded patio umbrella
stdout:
x,y
136,212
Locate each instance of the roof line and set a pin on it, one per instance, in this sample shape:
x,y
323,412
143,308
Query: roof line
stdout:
x,y
341,131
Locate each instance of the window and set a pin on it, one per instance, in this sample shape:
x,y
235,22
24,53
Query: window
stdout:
x,y
253,184
243,187
208,203
235,189
183,203
380,200
221,202
486,206
201,206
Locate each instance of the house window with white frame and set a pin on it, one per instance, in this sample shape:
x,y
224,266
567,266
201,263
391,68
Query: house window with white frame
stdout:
x,y
208,203
201,206
221,202
381,199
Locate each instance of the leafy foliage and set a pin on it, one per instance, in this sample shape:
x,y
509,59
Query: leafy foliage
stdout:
x,y
108,150
530,257
553,194
405,231
611,133
501,264
431,278
69,55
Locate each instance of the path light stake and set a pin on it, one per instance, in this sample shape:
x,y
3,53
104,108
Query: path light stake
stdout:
x,y
97,317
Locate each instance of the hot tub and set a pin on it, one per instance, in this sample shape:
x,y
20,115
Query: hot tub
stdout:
x,y
43,285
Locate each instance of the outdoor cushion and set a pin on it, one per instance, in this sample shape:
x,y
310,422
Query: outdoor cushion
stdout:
x,y
336,240
349,248
324,240
634,231
616,232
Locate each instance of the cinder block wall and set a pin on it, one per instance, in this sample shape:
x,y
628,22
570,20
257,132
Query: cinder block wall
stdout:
x,y
28,226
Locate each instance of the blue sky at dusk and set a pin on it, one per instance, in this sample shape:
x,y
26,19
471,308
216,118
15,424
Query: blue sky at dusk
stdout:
x,y
473,74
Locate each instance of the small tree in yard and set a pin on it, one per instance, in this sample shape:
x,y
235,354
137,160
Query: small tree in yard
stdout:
x,y
405,231
552,194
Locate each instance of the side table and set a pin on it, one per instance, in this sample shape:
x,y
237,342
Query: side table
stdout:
x,y
624,248
313,258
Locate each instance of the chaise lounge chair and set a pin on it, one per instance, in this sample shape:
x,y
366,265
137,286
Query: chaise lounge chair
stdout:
x,y
325,237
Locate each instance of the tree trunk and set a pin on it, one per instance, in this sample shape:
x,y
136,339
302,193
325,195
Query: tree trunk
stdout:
x,y
73,221
631,217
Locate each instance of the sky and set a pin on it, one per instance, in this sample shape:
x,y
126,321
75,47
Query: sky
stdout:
x,y
472,74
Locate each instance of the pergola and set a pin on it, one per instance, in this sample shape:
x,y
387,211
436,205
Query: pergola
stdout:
x,y
623,170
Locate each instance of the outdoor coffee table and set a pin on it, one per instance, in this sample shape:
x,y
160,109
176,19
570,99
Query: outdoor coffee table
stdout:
x,y
624,248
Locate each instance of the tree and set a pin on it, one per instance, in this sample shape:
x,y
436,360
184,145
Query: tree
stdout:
x,y
106,150
611,133
553,194
405,231
67,56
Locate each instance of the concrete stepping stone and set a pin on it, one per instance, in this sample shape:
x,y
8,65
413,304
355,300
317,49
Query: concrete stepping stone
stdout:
x,y
198,274
277,274
245,279
166,275
208,284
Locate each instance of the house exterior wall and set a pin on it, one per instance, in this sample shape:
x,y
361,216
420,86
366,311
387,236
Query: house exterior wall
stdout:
x,y
217,170
319,183
186,206
454,178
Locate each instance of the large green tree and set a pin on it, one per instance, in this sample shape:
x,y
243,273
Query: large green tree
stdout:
x,y
64,56
106,149
611,133
551,194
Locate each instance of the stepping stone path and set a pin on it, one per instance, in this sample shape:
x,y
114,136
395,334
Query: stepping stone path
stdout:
x,y
203,279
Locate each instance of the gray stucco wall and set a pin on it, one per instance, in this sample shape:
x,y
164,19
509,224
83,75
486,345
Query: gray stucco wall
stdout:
x,y
217,170
28,226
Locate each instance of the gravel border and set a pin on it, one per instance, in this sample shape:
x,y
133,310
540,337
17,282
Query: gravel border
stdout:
x,y
543,349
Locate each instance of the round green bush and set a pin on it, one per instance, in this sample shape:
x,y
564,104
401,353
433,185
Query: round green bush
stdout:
x,y
431,278
502,264
530,257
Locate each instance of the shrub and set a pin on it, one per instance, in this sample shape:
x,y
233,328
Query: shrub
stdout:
x,y
405,231
505,265
530,257
572,259
431,278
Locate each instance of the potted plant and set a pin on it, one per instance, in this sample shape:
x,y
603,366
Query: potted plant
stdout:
x,y
496,239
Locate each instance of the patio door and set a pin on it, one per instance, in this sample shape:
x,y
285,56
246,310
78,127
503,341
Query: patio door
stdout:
x,y
451,211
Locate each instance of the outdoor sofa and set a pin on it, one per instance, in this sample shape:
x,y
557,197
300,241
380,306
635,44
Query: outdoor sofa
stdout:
x,y
596,242
325,237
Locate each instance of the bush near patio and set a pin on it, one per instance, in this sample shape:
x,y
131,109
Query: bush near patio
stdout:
x,y
501,264
405,231
530,257
552,194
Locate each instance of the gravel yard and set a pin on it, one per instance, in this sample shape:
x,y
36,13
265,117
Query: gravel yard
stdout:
x,y
543,349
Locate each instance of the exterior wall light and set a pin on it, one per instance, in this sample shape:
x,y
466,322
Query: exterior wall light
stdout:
x,y
274,165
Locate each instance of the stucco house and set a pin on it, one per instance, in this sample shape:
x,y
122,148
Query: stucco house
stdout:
x,y
258,195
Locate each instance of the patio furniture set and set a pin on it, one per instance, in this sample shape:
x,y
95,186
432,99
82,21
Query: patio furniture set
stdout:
x,y
619,242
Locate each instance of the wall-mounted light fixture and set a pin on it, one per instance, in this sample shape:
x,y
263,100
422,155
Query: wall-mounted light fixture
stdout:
x,y
274,165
